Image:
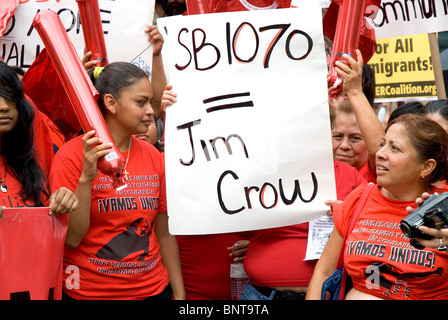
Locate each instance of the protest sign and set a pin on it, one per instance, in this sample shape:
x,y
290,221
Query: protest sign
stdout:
x,y
248,142
404,17
31,251
123,25
403,69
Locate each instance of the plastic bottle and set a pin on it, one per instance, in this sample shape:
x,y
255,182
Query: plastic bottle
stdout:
x,y
238,279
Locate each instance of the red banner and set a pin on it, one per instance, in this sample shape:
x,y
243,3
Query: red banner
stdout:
x,y
31,253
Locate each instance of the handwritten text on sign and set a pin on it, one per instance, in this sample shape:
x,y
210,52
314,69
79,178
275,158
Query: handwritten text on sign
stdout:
x,y
123,24
248,142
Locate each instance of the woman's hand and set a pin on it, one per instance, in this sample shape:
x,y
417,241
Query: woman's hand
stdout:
x,y
168,98
332,203
238,250
62,201
85,60
440,239
94,149
351,73
155,38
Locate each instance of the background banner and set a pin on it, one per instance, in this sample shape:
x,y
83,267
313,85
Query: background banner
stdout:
x,y
403,69
404,17
248,142
123,23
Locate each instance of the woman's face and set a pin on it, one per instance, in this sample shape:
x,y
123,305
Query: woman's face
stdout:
x,y
348,143
135,111
397,164
151,134
9,115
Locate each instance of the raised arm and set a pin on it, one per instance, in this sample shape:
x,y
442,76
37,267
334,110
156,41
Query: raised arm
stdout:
x,y
369,124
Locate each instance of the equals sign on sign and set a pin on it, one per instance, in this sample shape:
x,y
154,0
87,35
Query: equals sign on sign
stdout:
x,y
226,105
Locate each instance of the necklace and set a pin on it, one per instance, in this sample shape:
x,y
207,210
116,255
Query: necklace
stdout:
x,y
125,172
4,187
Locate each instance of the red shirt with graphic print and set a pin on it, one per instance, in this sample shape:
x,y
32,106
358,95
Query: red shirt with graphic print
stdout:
x,y
119,256
379,257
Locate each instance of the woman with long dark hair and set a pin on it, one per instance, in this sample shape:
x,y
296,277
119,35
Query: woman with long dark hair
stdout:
x,y
23,180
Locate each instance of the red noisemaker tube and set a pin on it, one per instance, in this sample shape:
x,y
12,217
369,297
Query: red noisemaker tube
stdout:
x,y
92,29
198,6
346,39
79,89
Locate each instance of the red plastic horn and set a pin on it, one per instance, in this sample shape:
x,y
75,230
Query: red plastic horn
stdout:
x,y
92,29
198,6
346,39
79,88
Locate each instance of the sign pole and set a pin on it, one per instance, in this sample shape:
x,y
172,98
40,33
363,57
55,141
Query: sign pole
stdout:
x,y
437,65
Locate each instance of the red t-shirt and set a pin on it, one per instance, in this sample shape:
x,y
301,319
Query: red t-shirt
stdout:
x,y
275,257
206,263
378,256
367,172
119,256
12,198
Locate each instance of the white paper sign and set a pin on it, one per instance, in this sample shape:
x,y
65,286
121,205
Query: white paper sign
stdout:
x,y
123,23
248,144
404,17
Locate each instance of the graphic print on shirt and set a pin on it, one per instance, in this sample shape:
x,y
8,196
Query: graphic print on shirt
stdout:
x,y
258,6
134,239
398,264
127,250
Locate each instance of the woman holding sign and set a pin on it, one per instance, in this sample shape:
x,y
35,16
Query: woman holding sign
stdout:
x,y
118,241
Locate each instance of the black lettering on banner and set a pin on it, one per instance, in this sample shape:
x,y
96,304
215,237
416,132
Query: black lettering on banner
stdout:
x,y
232,45
228,105
188,126
235,38
203,44
180,68
213,141
408,10
283,28
262,190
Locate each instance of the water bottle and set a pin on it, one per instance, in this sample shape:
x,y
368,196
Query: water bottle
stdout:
x,y
238,279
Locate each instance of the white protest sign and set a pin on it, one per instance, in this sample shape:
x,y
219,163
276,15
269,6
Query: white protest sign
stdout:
x,y
123,23
248,144
404,17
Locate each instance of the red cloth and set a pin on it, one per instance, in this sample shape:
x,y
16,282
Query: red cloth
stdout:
x,y
42,83
367,172
205,264
275,256
378,245
119,256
